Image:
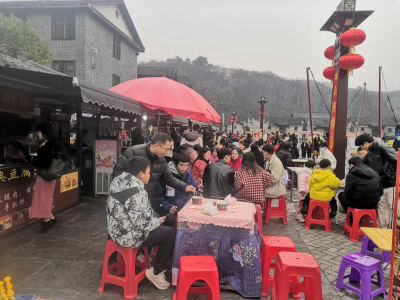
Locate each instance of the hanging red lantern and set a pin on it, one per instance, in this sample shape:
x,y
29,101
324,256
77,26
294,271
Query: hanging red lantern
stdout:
x,y
260,114
329,73
330,53
259,108
231,121
352,38
351,62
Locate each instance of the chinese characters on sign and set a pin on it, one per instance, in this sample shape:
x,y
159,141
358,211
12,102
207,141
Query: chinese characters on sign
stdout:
x,y
68,182
332,127
14,173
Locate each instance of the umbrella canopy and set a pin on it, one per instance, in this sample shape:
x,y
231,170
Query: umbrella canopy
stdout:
x,y
168,95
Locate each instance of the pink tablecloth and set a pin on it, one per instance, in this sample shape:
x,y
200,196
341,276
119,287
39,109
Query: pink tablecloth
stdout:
x,y
242,218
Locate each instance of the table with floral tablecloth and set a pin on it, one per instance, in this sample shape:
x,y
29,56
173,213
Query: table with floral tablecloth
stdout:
x,y
231,237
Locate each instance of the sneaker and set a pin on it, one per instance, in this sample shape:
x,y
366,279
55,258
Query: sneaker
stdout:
x,y
300,218
158,280
141,258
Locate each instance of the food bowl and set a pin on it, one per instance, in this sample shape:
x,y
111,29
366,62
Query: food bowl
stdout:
x,y
222,205
197,200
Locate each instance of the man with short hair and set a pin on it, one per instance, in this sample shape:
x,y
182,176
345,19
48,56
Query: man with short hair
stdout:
x,y
167,201
275,168
382,159
361,153
325,153
153,152
131,222
192,138
219,177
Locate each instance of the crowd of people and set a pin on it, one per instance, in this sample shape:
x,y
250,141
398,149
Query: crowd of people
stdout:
x,y
152,182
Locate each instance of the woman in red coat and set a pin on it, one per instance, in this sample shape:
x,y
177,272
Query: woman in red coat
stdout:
x,y
236,161
199,165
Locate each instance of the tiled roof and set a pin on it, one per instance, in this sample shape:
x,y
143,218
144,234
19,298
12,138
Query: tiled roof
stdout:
x,y
284,121
143,72
10,62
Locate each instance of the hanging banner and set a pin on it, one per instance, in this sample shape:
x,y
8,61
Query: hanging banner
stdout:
x,y
394,283
332,126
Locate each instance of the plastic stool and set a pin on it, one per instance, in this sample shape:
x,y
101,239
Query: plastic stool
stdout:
x,y
362,267
194,268
258,220
291,264
276,212
270,247
126,265
300,205
310,220
354,229
368,247
318,213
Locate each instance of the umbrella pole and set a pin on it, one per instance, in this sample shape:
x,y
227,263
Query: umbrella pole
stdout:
x,y
158,123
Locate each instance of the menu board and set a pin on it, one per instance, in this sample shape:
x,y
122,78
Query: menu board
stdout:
x,y
394,287
106,153
69,182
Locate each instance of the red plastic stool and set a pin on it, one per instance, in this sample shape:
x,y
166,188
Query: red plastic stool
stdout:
x,y
291,264
126,265
318,213
194,268
270,247
258,219
354,229
275,212
300,205
310,220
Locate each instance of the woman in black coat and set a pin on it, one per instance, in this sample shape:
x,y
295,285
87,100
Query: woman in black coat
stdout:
x,y
304,148
295,151
363,188
258,154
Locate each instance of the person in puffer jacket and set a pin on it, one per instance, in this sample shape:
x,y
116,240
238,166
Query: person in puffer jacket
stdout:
x,y
323,184
285,156
192,138
303,187
167,201
131,223
326,154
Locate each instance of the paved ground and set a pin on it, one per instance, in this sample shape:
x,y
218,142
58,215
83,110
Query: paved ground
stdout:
x,y
66,262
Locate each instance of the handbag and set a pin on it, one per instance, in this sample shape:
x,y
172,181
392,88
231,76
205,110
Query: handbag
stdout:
x,y
56,169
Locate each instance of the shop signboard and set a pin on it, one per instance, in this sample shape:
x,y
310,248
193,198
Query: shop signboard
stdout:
x,y
12,173
106,153
69,182
394,283
16,100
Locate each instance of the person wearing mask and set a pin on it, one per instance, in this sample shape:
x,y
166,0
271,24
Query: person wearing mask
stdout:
x,y
274,166
248,140
137,137
192,138
42,199
131,222
382,159
236,161
258,155
325,153
153,152
304,148
199,165
219,177
363,188
251,180
214,155
285,156
304,175
166,200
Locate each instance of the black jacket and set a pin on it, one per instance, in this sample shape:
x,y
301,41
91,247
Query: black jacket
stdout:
x,y
295,153
247,142
45,155
285,157
218,179
363,187
383,159
158,170
304,146
137,140
259,158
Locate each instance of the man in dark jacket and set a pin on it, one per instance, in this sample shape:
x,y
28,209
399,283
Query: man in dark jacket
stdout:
x,y
219,177
285,156
153,152
382,159
363,187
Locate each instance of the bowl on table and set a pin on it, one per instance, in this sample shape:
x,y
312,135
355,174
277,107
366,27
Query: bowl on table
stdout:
x,y
197,200
222,205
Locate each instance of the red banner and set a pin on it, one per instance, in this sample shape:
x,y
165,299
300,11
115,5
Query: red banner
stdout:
x,y
332,126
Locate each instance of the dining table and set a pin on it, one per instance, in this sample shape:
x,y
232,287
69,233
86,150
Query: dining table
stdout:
x,y
230,237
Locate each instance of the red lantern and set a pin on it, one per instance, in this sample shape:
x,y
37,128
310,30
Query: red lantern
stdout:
x,y
329,73
259,108
330,53
351,62
352,38
231,121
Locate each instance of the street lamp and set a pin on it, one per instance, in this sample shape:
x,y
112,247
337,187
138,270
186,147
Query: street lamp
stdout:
x,y
233,120
262,113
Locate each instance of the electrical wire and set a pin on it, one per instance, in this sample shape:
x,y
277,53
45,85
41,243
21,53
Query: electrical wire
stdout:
x,y
320,92
387,95
355,97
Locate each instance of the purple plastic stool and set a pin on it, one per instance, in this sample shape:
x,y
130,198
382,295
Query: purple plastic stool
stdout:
x,y
362,267
368,248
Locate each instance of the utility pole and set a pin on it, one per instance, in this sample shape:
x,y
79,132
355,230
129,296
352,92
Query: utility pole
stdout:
x,y
233,120
262,114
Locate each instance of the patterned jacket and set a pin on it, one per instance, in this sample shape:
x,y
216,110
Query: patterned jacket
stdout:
x,y
129,213
252,187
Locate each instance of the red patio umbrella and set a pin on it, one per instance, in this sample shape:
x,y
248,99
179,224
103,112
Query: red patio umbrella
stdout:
x,y
173,97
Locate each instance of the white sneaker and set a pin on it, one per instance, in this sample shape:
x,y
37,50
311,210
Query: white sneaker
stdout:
x,y
158,280
300,218
141,258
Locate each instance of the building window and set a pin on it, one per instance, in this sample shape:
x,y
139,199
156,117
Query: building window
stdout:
x,y
295,128
63,27
117,47
115,80
362,129
65,66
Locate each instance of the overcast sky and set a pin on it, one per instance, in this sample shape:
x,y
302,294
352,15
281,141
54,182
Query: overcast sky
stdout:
x,y
281,36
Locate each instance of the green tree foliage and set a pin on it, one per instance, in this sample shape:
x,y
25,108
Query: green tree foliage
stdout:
x,y
19,39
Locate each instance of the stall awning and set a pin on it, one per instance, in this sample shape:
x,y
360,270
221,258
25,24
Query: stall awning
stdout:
x,y
94,94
